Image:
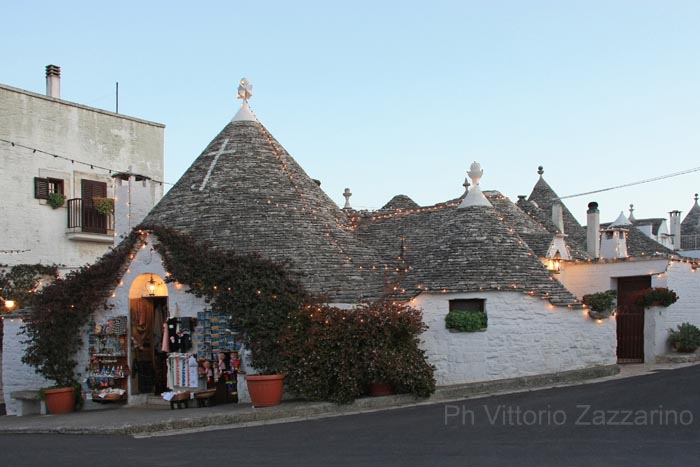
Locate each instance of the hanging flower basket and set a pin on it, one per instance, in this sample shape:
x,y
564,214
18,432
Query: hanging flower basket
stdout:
x,y
600,304
55,200
104,206
658,296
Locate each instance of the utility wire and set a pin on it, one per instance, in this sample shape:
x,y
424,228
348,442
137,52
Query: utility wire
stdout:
x,y
653,179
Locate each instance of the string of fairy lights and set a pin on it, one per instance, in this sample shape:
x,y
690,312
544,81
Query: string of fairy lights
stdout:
x,y
358,217
71,159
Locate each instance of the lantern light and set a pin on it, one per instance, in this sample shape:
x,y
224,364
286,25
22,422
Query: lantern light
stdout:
x,y
151,286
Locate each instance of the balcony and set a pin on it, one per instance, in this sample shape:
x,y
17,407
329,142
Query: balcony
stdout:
x,y
85,223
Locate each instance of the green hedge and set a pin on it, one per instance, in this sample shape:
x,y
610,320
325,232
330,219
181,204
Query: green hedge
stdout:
x,y
686,338
334,354
466,321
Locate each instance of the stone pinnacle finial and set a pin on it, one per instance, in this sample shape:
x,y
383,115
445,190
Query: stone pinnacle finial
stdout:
x,y
475,172
474,196
245,90
466,184
696,197
540,170
347,195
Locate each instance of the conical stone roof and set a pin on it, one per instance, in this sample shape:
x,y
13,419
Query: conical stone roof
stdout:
x,y
691,223
245,193
544,196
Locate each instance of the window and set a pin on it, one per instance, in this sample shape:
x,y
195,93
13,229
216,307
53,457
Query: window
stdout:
x,y
470,304
43,187
466,315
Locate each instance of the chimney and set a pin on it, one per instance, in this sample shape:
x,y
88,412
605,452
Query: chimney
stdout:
x,y
676,229
593,230
53,81
613,240
558,216
347,196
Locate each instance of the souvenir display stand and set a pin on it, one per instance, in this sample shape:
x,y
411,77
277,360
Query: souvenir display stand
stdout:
x,y
208,373
108,370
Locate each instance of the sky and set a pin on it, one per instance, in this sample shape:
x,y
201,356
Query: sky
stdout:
x,y
399,97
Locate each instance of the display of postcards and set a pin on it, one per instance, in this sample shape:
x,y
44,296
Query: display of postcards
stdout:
x,y
199,329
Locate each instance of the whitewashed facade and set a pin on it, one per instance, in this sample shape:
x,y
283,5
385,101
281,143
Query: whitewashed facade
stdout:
x,y
89,144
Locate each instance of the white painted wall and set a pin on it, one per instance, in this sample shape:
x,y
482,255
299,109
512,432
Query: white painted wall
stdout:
x,y
90,135
16,376
681,278
525,336
584,278
589,277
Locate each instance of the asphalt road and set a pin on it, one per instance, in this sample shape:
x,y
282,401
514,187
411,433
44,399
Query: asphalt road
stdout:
x,y
651,420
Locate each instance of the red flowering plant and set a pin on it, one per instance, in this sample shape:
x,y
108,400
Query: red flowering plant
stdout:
x,y
334,354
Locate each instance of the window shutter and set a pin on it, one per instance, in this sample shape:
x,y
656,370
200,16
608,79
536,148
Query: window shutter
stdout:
x,y
41,188
92,189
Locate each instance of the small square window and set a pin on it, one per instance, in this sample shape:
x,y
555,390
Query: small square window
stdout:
x,y
43,187
467,315
470,304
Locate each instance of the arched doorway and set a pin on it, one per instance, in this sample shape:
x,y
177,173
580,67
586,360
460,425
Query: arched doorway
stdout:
x,y
148,309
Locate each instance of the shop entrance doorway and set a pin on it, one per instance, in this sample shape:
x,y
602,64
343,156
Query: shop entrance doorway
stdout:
x,y
147,315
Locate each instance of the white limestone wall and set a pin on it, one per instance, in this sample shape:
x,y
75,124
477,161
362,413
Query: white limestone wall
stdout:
x,y
59,127
525,336
585,278
16,376
681,278
132,202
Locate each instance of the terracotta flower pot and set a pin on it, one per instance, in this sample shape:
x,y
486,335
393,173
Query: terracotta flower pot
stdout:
x,y
380,389
265,390
60,400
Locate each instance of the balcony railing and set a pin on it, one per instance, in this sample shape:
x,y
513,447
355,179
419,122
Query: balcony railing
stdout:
x,y
83,217
690,242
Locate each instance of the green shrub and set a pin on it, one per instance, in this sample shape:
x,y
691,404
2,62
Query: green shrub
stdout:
x,y
600,301
686,338
334,354
659,296
466,321
104,206
55,200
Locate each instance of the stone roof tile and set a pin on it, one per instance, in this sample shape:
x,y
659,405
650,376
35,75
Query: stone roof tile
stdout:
x,y
247,194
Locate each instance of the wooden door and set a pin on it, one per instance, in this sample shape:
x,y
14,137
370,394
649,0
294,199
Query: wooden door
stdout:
x,y
630,319
92,220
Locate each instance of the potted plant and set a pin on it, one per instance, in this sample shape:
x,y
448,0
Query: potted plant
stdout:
x,y
686,338
104,206
658,296
466,321
600,304
55,200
